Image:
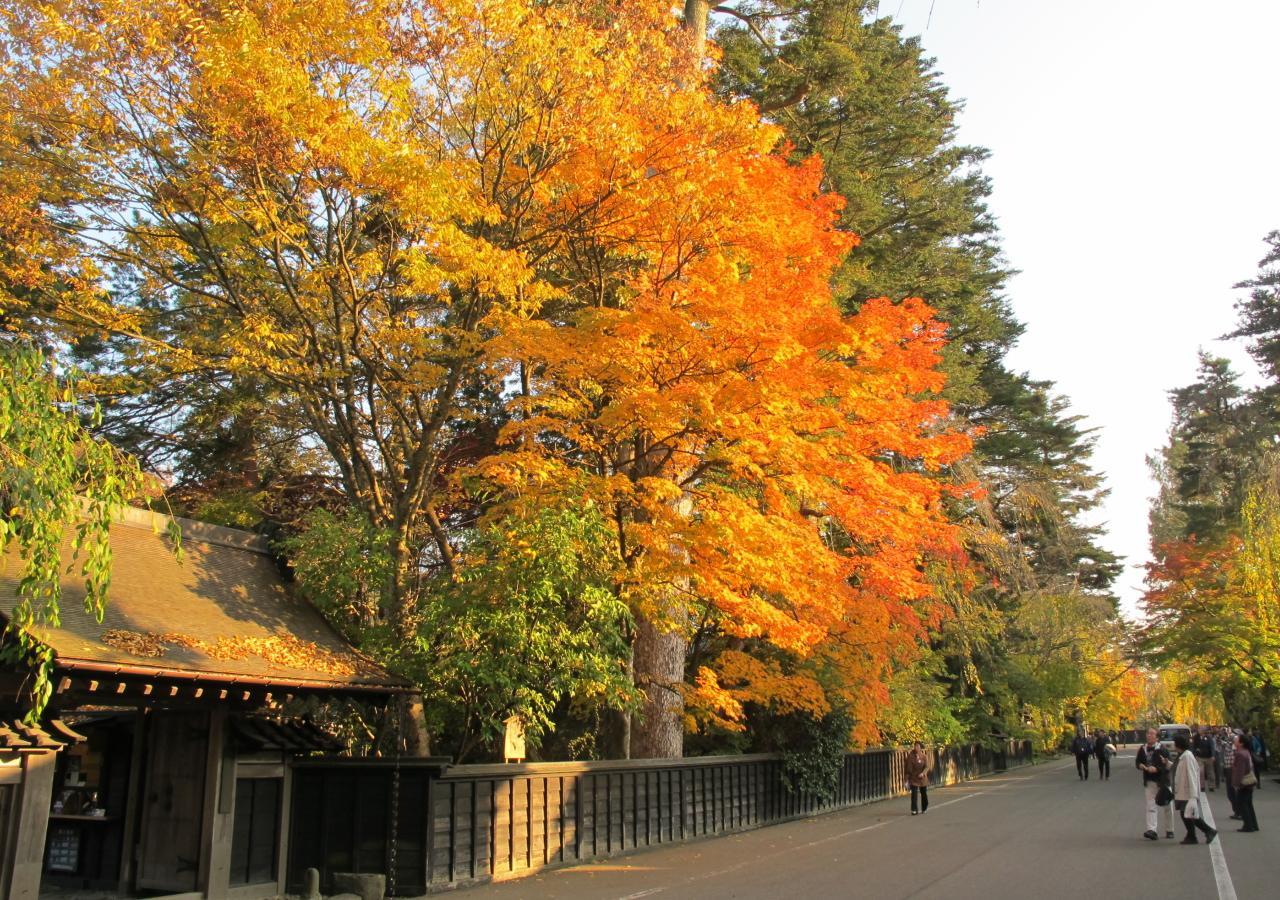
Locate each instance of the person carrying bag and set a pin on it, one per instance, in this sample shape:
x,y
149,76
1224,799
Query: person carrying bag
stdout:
x,y
1186,793
1245,780
1153,762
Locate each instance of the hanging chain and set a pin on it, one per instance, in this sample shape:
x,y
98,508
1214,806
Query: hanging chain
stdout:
x,y
395,814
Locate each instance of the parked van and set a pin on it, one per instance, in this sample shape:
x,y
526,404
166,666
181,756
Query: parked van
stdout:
x,y
1167,733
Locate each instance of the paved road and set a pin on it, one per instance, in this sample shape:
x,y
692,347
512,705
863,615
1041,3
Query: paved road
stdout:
x,y
1037,833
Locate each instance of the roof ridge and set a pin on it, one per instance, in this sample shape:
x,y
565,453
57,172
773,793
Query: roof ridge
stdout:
x,y
192,530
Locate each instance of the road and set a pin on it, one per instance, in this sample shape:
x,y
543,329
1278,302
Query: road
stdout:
x,y
1036,832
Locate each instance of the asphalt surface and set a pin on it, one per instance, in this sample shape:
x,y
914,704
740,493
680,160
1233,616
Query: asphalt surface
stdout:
x,y
1037,832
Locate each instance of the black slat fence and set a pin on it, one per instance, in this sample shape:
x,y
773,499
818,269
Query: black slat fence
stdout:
x,y
431,827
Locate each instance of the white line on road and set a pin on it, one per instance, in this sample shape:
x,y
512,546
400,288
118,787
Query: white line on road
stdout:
x,y
1221,875
958,799
845,834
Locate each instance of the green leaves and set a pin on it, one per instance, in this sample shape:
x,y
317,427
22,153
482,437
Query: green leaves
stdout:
x,y
343,565
59,490
531,623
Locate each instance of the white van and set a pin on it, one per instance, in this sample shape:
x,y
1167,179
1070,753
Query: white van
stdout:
x,y
1167,732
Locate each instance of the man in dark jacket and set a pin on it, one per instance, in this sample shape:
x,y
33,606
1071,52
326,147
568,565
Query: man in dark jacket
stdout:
x,y
1153,762
1082,748
1101,745
1202,747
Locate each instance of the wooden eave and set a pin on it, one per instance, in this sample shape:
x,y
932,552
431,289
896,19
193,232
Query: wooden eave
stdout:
x,y
91,681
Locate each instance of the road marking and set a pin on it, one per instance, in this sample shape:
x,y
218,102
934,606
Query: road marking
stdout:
x,y
845,834
1221,875
958,799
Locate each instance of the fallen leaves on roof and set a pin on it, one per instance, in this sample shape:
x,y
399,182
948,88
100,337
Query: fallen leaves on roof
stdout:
x,y
280,649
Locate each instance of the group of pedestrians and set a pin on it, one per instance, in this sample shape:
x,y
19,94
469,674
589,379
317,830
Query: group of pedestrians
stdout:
x,y
1176,782
1214,748
1101,746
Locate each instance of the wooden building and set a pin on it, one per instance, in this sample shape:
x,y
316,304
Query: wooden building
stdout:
x,y
167,766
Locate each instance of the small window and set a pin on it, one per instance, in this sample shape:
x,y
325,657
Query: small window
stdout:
x,y
256,832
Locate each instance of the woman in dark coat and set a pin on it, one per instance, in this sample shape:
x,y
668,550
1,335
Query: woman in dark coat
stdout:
x,y
917,772
1241,768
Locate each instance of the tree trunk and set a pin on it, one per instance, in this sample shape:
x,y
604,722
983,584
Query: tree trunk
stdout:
x,y
615,724
659,651
657,731
695,22
411,720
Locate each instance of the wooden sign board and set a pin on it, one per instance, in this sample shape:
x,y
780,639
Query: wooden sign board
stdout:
x,y
513,741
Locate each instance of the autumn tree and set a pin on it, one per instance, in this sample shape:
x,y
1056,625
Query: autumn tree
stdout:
x,y
1212,606
717,402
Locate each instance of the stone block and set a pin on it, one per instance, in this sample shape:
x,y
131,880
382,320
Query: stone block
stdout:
x,y
363,886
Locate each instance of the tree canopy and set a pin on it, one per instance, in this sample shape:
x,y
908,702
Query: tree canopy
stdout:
x,y
660,356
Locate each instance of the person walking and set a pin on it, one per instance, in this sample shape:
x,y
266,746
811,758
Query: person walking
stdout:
x,y
1228,749
1219,736
1153,762
1186,792
1202,748
917,772
1259,755
1103,749
1082,747
1245,780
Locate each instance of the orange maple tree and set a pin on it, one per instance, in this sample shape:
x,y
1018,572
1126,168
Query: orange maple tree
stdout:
x,y
769,462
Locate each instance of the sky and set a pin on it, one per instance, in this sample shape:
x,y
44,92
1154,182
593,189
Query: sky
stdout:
x,y
1135,152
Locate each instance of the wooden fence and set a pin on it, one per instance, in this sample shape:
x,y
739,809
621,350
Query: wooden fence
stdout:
x,y
441,828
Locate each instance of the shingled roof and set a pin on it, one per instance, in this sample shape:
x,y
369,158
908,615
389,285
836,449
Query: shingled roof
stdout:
x,y
19,737
221,616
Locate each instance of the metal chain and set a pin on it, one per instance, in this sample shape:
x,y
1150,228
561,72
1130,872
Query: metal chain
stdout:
x,y
394,836
395,825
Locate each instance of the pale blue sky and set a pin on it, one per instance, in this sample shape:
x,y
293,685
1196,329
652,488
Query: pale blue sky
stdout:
x,y
1135,159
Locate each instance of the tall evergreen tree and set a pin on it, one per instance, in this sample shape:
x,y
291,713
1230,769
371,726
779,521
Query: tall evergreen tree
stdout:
x,y
1219,432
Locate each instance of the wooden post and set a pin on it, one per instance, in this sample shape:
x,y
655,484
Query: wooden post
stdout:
x,y
133,800
217,826
286,825
34,798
